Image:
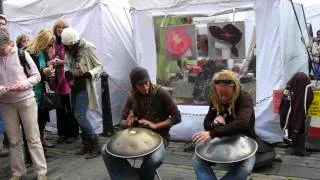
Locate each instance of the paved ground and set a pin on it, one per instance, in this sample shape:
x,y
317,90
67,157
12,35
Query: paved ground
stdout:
x,y
66,166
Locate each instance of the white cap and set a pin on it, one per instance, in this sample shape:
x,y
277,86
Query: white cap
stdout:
x,y
69,36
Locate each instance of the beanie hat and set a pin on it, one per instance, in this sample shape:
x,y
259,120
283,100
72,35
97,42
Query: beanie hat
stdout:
x,y
138,75
69,36
4,38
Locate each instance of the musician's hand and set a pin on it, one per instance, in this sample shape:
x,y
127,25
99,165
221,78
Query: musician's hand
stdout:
x,y
131,118
148,123
219,120
201,137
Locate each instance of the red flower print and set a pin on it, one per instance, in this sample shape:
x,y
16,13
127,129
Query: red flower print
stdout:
x,y
178,41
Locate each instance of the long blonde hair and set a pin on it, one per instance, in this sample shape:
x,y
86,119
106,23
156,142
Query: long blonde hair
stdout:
x,y
225,75
42,41
59,22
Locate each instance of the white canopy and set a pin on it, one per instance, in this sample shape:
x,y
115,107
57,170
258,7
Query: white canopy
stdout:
x,y
125,40
313,17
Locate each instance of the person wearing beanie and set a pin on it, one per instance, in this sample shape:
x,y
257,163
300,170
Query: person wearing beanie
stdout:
x,y
148,106
18,107
81,68
230,113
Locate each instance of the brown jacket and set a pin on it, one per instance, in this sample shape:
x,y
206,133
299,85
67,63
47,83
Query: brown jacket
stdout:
x,y
156,108
243,123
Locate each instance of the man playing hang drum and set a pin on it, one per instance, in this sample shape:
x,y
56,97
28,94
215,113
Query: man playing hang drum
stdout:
x,y
231,112
151,107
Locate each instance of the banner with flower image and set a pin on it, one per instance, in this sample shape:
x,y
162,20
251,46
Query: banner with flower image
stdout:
x,y
180,42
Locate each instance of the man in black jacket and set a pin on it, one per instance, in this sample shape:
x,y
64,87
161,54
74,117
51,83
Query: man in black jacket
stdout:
x,y
151,107
231,112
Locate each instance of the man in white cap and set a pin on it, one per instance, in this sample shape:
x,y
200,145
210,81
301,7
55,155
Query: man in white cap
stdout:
x,y
81,69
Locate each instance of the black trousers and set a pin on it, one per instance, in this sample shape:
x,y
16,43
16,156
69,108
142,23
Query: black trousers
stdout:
x,y
43,118
67,125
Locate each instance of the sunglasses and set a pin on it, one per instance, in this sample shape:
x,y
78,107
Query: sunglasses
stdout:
x,y
226,82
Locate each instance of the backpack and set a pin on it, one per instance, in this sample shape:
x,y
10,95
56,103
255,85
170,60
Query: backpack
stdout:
x,y
265,154
23,61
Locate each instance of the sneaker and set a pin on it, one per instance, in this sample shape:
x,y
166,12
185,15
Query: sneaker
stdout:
x,y
14,177
4,152
42,177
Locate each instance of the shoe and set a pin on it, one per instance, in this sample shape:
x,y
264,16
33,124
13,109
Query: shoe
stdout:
x,y
42,177
85,148
4,152
14,177
46,143
95,149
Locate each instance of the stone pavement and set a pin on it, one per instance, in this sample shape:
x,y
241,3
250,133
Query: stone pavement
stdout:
x,y
64,165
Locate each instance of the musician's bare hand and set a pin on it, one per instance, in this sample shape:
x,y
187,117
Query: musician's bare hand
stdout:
x,y
148,123
131,118
201,137
219,120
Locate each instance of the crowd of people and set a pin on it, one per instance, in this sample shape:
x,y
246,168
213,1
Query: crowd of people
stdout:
x,y
58,59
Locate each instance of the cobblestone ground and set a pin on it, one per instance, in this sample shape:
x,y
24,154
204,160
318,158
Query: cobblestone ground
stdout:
x,y
64,165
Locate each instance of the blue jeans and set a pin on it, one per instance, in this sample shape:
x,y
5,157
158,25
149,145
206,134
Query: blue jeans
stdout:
x,y
120,169
237,171
80,104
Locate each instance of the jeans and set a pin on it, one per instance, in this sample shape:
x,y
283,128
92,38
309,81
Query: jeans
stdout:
x,y
80,104
237,171
120,169
26,111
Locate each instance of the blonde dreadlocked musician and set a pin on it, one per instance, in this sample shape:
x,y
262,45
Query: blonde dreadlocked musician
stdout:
x,y
231,112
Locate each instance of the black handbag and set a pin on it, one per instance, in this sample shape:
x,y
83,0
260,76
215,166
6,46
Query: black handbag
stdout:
x,y
50,100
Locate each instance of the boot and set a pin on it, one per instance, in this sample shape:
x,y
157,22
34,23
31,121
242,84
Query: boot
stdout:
x,y
298,145
85,148
95,149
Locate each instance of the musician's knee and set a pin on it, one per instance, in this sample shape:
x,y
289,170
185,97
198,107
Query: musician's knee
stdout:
x,y
158,156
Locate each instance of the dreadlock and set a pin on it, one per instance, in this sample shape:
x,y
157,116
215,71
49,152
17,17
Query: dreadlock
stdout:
x,y
135,94
225,75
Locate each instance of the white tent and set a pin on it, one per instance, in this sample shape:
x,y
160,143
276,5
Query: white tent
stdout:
x,y
125,40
